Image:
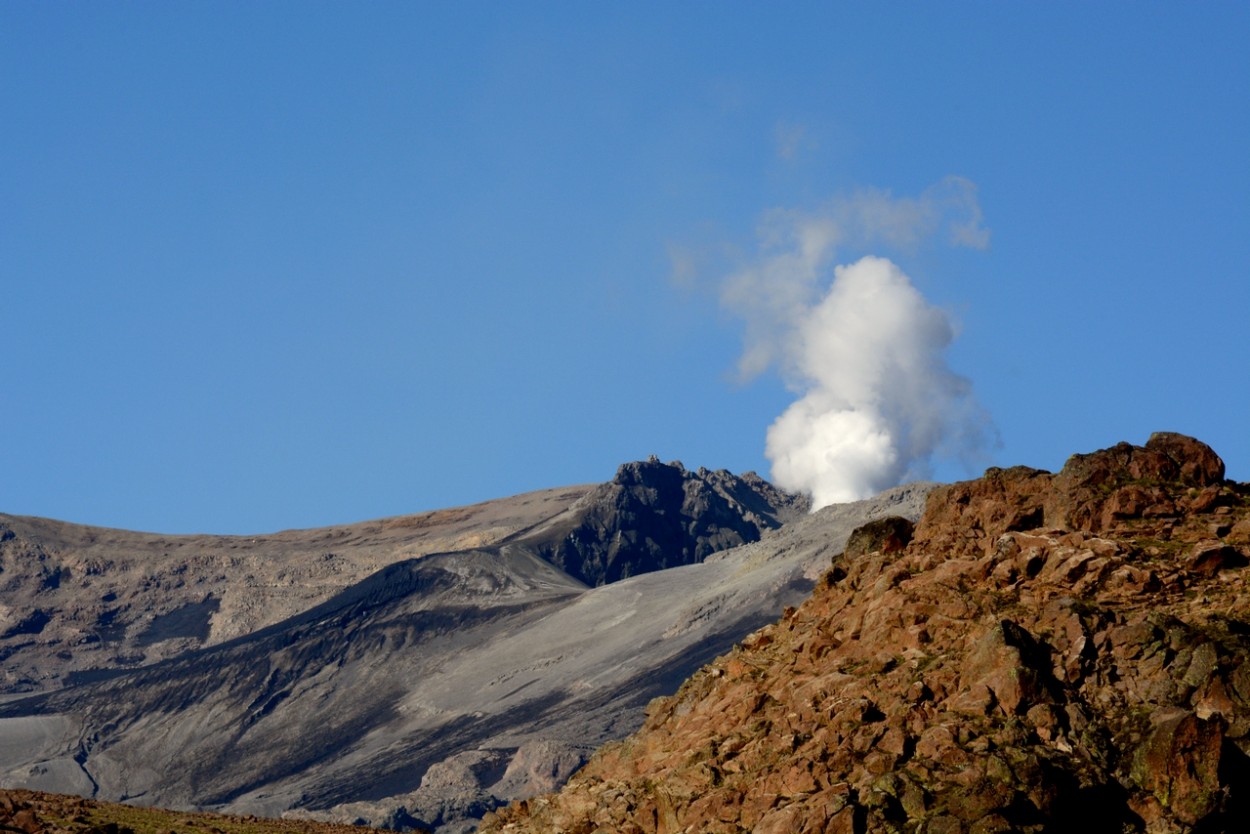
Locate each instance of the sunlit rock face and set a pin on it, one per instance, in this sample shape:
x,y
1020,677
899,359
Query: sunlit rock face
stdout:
x,y
1042,651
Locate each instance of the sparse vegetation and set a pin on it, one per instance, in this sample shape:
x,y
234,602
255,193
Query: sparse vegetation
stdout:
x,y
33,812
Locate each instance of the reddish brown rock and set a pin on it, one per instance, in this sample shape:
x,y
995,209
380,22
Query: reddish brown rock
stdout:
x,y
885,535
1009,663
965,517
1179,764
1047,653
26,820
1210,557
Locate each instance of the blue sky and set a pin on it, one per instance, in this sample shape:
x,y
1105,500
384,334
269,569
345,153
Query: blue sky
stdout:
x,y
273,265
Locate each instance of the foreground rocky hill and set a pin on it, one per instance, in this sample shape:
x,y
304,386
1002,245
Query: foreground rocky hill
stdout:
x,y
1041,653
440,687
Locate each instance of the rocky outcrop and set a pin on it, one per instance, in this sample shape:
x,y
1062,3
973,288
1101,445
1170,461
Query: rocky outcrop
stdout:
x,y
1046,653
655,515
456,793
1113,490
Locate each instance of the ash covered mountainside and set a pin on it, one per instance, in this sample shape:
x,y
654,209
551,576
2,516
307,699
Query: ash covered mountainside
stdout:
x,y
1041,652
77,600
434,689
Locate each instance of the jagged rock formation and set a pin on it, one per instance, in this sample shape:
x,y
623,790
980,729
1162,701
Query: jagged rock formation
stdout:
x,y
438,687
655,515
1046,653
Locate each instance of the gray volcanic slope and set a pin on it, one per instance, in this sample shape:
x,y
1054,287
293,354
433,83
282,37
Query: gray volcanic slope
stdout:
x,y
75,598
428,693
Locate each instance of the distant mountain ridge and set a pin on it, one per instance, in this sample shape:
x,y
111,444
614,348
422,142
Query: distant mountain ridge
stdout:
x,y
76,599
438,687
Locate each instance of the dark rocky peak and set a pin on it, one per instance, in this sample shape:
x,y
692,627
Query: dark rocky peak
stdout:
x,y
655,515
705,490
650,474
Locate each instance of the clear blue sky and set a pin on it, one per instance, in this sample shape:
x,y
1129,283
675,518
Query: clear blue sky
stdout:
x,y
273,265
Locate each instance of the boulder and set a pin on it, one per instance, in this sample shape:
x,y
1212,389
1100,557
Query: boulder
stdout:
x,y
1179,764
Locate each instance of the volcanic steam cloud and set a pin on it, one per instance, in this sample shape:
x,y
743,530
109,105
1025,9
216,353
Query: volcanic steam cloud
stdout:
x,y
864,352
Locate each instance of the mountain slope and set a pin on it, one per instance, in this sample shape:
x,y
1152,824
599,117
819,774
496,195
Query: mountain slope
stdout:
x,y
74,599
205,727
1044,653
431,691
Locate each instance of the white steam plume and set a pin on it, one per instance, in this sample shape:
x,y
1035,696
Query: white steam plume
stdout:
x,y
865,353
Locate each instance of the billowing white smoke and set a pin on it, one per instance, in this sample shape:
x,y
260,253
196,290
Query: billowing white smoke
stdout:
x,y
878,395
865,353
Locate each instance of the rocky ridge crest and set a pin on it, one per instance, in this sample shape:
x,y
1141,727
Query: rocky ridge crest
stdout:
x,y
653,516
1042,651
